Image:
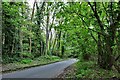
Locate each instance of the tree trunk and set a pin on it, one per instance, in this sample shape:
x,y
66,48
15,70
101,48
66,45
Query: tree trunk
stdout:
x,y
59,36
105,59
47,31
105,46
30,43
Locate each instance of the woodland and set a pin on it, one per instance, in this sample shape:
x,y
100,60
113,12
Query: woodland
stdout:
x,y
88,31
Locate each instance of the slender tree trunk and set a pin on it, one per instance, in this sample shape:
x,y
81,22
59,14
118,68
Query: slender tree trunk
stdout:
x,y
41,48
63,46
30,42
54,43
50,43
21,44
47,31
21,38
30,39
59,36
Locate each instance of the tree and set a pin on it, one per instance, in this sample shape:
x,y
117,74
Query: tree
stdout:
x,y
76,14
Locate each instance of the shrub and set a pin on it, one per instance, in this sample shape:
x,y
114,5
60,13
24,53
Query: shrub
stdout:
x,y
26,61
27,54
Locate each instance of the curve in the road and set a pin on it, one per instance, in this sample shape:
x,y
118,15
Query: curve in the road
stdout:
x,y
46,71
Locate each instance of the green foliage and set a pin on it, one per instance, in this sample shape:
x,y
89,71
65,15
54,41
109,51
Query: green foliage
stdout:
x,y
84,73
55,58
27,54
85,65
52,58
48,58
26,61
89,69
75,30
6,59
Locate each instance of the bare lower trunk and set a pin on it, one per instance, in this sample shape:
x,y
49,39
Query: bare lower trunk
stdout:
x,y
105,59
30,48
21,44
47,30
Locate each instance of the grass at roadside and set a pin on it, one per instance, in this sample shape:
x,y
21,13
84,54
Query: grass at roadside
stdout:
x,y
27,63
88,70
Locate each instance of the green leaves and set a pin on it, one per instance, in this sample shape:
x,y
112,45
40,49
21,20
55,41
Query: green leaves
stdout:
x,y
26,61
55,26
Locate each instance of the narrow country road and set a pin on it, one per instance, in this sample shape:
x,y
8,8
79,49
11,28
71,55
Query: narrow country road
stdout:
x,y
46,71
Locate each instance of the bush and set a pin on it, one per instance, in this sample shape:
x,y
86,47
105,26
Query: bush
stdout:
x,y
27,54
7,59
26,61
86,56
55,58
48,58
52,57
84,73
56,52
89,69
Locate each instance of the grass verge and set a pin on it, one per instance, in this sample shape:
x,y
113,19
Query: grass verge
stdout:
x,y
88,70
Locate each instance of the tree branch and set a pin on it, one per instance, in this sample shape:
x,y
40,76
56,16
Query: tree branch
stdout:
x,y
117,58
105,12
33,10
93,37
89,28
96,15
53,18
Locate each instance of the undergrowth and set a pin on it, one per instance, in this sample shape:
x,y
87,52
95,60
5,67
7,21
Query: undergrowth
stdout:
x,y
90,69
